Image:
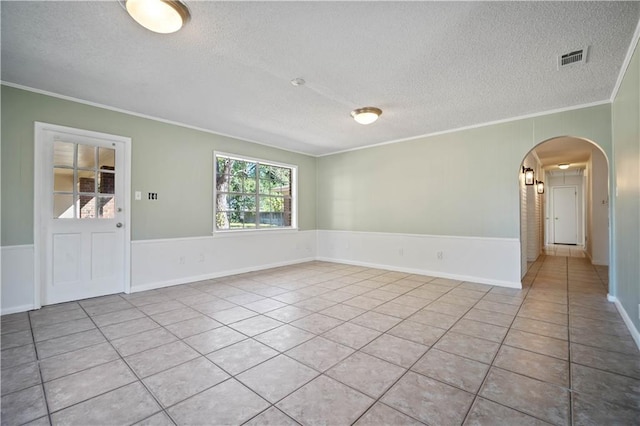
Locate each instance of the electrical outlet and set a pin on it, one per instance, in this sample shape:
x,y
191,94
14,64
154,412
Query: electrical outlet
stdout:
x,y
440,255
182,260
201,258
138,195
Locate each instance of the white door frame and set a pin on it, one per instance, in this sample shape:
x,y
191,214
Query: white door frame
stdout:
x,y
40,167
578,218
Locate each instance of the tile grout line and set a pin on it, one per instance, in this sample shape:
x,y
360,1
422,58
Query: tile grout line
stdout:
x,y
432,346
322,373
35,349
128,366
385,332
491,365
312,312
571,396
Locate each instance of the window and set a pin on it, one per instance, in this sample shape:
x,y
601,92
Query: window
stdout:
x,y
83,181
253,194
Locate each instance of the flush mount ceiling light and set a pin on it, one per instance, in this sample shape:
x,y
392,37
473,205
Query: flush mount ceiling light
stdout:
x,y
366,115
563,166
160,16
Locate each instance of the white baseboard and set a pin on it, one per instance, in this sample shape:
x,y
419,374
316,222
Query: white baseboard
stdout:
x,y
17,289
596,261
16,309
494,261
190,279
627,320
438,274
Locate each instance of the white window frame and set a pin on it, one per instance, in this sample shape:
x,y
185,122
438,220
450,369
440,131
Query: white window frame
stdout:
x,y
294,194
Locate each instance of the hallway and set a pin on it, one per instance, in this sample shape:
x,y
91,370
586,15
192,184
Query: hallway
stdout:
x,y
329,343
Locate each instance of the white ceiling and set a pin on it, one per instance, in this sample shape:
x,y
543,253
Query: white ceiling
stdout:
x,y
570,150
430,66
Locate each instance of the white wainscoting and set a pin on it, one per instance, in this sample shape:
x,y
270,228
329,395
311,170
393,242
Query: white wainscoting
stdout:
x,y
17,292
493,261
161,263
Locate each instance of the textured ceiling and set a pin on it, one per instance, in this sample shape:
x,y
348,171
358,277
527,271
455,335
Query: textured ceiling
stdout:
x,y
430,66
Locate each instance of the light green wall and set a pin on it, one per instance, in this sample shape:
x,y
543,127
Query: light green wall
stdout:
x,y
174,161
626,146
462,183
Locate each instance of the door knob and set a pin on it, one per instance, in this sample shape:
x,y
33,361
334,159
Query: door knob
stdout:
x,y
118,225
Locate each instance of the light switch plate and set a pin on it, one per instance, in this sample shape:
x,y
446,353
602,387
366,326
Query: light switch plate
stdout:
x,y
138,195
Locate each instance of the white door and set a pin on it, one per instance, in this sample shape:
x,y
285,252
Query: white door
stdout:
x,y
82,245
565,215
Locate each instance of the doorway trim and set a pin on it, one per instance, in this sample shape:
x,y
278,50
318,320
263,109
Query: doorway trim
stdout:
x,y
40,167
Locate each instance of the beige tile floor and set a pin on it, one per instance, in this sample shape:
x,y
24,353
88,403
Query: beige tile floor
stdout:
x,y
564,250
322,343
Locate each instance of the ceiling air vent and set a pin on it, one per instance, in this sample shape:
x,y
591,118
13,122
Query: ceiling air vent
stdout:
x,y
572,58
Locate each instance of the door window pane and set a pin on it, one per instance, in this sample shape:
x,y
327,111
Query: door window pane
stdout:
x,y
106,183
87,206
63,206
62,180
86,181
106,207
63,153
106,159
86,156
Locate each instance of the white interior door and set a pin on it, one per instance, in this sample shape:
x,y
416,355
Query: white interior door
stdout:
x,y
83,235
565,215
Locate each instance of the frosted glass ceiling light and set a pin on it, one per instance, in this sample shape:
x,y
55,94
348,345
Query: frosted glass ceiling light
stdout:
x,y
160,16
366,115
564,166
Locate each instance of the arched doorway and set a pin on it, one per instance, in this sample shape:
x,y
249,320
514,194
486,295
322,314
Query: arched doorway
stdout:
x,y
571,215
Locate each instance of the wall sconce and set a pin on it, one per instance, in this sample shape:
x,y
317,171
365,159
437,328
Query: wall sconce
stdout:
x,y
540,187
529,176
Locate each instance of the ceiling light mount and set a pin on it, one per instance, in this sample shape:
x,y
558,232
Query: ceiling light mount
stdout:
x,y
159,16
298,82
563,166
366,115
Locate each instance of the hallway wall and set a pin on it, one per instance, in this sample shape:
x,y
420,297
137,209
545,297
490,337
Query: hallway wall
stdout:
x,y
597,209
626,195
530,215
